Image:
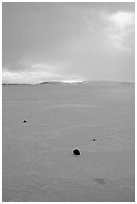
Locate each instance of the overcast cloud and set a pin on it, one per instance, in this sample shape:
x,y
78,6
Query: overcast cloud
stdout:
x,y
68,41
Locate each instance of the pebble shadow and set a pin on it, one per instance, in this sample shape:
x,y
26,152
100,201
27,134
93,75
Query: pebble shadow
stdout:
x,y
100,181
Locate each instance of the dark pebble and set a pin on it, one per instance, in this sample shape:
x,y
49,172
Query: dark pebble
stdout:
x,y
76,152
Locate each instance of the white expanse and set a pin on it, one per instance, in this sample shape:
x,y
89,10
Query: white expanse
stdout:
x,y
38,164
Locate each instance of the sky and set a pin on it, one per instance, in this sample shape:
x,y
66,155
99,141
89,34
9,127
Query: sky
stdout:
x,y
68,41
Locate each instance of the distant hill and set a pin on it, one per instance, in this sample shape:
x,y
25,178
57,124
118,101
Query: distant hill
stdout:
x,y
85,82
50,82
58,83
108,82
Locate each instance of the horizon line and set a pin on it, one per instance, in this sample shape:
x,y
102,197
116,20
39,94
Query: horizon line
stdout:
x,y
67,82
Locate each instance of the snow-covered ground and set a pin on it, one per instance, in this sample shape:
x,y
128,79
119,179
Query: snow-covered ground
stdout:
x,y
38,164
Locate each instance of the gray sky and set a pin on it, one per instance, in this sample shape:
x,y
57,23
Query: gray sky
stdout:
x,y
68,41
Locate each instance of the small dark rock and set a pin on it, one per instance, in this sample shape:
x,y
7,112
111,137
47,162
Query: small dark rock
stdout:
x,y
94,140
76,152
24,121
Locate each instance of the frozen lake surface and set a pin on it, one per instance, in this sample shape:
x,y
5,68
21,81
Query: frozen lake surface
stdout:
x,y
38,164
